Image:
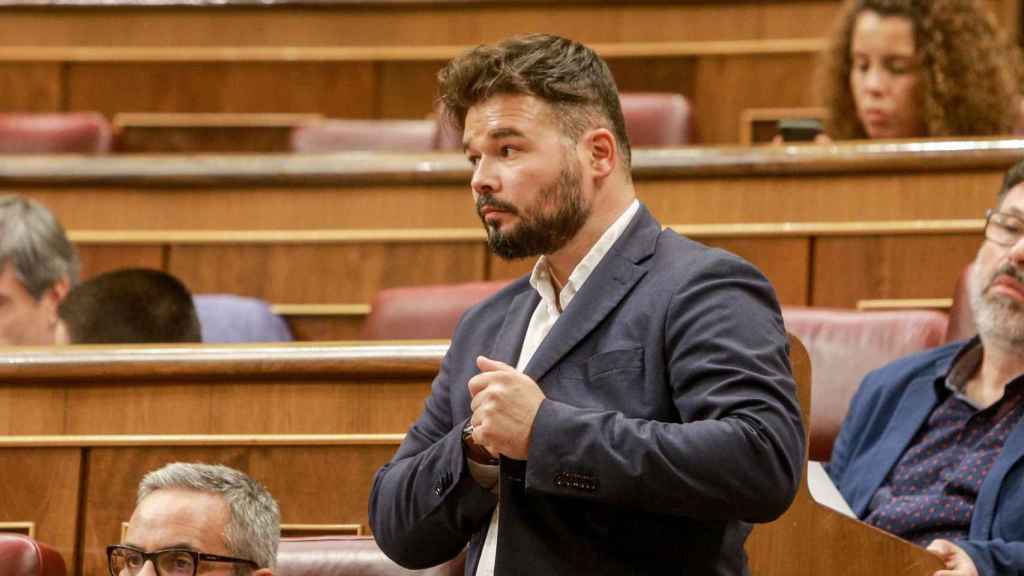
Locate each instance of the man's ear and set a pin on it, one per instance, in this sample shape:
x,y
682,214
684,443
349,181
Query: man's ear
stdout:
x,y
54,295
602,151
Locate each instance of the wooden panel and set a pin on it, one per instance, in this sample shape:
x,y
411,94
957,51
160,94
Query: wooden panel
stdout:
x,y
257,207
207,389
858,268
658,75
41,485
332,89
325,328
100,258
31,87
289,407
206,133
459,23
312,484
822,197
405,89
730,85
785,261
314,274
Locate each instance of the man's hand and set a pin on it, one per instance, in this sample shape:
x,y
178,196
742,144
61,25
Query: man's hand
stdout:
x,y
505,402
958,562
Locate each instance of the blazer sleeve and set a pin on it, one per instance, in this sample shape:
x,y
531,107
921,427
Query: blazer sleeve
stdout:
x,y
424,505
995,557
736,450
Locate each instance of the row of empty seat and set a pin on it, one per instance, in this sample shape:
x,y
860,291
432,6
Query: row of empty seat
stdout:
x,y
652,120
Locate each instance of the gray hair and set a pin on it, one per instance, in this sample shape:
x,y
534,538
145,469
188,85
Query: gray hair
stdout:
x,y
34,242
254,528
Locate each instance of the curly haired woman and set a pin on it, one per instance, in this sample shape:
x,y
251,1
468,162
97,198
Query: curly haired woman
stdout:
x,y
921,68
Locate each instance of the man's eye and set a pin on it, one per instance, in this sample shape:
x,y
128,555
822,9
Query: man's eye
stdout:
x,y
507,151
473,160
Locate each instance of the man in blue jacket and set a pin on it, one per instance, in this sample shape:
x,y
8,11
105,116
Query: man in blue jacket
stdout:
x,y
932,448
627,408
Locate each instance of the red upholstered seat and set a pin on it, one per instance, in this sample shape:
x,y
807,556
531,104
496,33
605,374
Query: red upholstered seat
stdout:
x,y
429,312
347,556
658,119
23,556
383,135
71,133
845,345
961,317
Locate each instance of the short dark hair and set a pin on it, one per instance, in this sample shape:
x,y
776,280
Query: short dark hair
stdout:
x,y
567,75
1013,177
132,305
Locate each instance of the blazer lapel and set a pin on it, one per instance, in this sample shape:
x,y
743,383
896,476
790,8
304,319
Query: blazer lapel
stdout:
x,y
913,410
613,278
985,506
509,341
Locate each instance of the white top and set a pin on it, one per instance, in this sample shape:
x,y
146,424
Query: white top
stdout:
x,y
547,312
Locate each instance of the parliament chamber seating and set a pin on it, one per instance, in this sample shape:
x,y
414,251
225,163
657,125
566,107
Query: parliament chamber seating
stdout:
x,y
423,312
347,556
56,133
658,119
339,135
24,556
844,345
227,318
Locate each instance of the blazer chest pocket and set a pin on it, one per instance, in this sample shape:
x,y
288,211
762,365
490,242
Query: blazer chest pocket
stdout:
x,y
606,367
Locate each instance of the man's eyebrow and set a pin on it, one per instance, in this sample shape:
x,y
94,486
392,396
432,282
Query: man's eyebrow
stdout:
x,y
498,134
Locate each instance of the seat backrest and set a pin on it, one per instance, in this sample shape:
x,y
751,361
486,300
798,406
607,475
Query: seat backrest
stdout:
x,y
348,556
57,133
961,317
23,556
340,135
657,119
423,312
227,318
845,345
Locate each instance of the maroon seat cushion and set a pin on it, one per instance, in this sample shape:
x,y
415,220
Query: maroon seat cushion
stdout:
x,y
347,556
70,133
961,316
429,312
657,119
23,556
340,135
844,345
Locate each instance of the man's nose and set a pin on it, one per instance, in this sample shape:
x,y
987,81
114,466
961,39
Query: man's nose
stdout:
x,y
485,180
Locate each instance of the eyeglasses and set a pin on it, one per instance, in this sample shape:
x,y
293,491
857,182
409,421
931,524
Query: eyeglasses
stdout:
x,y
1002,228
128,561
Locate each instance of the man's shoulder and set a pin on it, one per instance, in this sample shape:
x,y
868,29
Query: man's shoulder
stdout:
x,y
896,375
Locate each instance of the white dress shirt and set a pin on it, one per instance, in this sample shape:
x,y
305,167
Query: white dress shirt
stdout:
x,y
547,312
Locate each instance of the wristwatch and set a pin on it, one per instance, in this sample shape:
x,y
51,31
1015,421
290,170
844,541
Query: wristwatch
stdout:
x,y
474,451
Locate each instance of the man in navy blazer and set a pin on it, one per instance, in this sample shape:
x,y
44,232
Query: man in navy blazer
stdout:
x,y
628,408
932,448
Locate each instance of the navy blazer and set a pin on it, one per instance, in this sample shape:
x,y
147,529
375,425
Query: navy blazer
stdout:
x,y
670,420
885,414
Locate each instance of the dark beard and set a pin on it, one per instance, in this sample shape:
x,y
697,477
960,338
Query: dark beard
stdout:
x,y
537,232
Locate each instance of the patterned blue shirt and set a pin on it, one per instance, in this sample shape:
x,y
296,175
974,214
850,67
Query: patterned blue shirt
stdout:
x,y
931,491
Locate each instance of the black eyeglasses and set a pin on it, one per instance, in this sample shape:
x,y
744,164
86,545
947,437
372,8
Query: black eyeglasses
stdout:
x,y
128,561
1002,228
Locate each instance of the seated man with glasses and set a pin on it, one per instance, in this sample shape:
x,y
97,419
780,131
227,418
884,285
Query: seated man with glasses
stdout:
x,y
199,519
932,448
